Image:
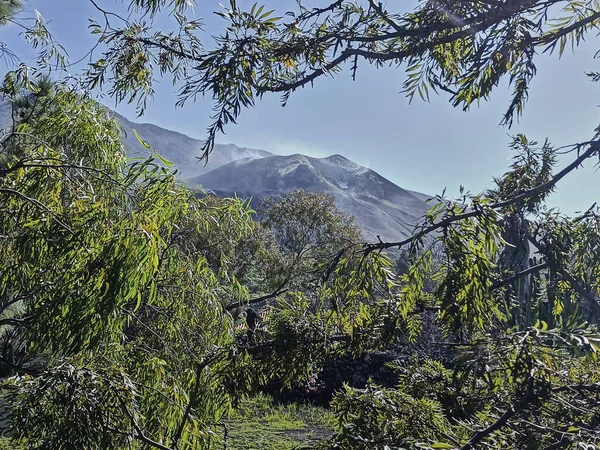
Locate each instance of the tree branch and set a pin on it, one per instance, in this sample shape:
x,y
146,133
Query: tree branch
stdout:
x,y
139,434
283,87
18,368
486,21
23,165
179,52
502,420
554,35
13,322
581,388
318,11
279,290
518,275
188,410
38,204
576,285
594,146
385,16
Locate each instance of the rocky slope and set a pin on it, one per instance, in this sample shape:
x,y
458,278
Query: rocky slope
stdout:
x,y
182,150
380,207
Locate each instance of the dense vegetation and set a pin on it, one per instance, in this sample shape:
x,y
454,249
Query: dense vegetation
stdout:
x,y
136,314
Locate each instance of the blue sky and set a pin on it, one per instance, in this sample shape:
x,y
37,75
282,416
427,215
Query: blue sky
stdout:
x,y
422,146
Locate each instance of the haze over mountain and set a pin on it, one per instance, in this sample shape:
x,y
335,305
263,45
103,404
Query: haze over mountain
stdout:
x,y
381,208
182,150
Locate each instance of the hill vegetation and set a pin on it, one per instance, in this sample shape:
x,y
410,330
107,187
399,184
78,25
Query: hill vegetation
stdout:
x,y
135,314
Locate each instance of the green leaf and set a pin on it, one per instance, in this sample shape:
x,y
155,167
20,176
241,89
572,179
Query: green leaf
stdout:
x,y
163,160
140,140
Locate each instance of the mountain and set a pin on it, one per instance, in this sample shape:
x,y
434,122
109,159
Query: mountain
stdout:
x,y
182,150
380,207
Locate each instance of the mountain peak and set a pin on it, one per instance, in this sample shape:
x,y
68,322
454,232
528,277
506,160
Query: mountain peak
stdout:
x,y
336,158
380,207
184,151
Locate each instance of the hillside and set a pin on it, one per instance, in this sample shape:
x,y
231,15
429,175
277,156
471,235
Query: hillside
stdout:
x,y
182,150
380,207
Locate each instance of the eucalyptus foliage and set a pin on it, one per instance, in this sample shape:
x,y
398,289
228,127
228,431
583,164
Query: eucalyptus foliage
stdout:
x,y
118,286
120,281
93,251
462,49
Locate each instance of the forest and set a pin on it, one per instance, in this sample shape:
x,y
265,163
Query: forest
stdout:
x,y
136,313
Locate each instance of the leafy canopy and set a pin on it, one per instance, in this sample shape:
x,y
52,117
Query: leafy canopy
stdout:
x,y
121,282
460,49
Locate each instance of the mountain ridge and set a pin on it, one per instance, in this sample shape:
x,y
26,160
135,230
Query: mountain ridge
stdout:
x,y
182,150
381,208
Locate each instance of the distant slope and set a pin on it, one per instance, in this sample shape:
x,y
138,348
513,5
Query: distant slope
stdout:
x,y
182,150
380,207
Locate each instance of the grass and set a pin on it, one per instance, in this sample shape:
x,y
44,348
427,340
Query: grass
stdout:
x,y
261,423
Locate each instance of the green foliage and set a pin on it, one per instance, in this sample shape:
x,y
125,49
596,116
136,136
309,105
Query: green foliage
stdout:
x,y
120,289
8,8
532,166
132,274
520,382
462,49
94,251
470,248
306,223
375,417
310,232
79,396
